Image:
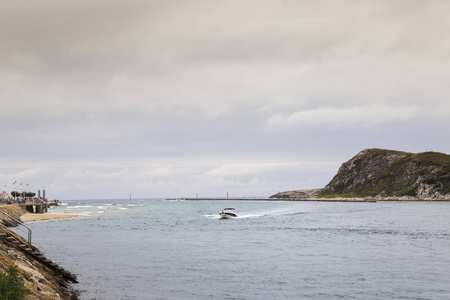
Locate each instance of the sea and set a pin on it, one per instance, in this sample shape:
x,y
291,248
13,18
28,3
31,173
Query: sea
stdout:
x,y
160,249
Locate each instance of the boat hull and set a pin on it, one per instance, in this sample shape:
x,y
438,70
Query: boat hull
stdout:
x,y
227,215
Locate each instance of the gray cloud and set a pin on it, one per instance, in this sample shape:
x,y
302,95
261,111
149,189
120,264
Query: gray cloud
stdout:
x,y
145,86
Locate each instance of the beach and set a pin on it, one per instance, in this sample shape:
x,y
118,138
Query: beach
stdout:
x,y
29,217
18,212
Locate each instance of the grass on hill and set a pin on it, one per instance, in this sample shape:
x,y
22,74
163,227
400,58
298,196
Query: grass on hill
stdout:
x,y
441,177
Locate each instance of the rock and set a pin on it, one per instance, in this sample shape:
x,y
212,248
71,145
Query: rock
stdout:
x,y
298,194
14,211
385,175
36,277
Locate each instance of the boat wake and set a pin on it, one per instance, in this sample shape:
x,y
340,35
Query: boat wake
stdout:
x,y
274,212
212,216
263,213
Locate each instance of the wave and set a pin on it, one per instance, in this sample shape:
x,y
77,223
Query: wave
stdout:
x,y
102,207
86,213
380,231
79,206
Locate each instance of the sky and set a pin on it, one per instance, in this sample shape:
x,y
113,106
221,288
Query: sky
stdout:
x,y
103,99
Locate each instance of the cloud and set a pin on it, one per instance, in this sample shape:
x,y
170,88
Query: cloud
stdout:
x,y
341,117
170,97
162,177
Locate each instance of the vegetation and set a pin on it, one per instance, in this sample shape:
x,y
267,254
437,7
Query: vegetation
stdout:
x,y
390,173
360,194
12,286
22,194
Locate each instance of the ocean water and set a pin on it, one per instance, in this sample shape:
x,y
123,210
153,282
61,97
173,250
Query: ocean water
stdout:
x,y
157,249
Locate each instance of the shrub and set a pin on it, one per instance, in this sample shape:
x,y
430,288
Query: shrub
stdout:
x,y
12,286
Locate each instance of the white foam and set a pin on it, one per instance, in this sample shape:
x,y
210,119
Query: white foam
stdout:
x,y
102,207
250,216
79,206
212,216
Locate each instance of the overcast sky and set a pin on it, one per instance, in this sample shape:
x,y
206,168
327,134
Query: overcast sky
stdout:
x,y
103,99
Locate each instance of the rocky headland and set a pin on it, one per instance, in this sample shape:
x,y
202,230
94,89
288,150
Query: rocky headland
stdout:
x,y
379,174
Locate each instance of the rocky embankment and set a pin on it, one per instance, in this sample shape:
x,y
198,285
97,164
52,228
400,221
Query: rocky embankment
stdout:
x,y
379,174
42,282
297,195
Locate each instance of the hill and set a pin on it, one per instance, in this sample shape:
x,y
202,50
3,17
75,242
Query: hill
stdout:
x,y
383,174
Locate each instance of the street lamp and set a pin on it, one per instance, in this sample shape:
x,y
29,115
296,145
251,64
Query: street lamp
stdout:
x,y
15,192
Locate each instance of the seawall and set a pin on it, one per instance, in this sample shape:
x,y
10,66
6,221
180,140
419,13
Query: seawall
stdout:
x,y
41,276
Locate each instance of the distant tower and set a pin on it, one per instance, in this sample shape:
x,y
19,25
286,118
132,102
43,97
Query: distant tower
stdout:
x,y
43,194
39,194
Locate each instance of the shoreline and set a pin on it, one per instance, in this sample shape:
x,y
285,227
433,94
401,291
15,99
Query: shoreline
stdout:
x,y
313,199
31,217
42,277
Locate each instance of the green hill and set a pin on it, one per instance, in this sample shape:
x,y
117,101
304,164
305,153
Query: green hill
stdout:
x,y
388,173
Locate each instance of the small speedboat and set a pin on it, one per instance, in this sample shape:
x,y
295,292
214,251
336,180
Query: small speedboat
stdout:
x,y
228,213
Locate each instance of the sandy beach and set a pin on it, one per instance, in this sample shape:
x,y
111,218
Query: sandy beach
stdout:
x,y
29,217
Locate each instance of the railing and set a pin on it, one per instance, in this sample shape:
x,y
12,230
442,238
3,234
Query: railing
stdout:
x,y
20,223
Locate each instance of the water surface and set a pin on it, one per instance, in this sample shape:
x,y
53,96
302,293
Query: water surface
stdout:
x,y
156,249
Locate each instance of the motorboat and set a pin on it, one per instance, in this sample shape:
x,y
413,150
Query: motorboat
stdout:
x,y
228,213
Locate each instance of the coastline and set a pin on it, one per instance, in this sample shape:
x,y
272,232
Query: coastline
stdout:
x,y
374,199
24,216
45,279
314,199
313,195
31,217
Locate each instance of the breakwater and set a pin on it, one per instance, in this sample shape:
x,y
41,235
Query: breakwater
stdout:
x,y
306,199
277,199
221,199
